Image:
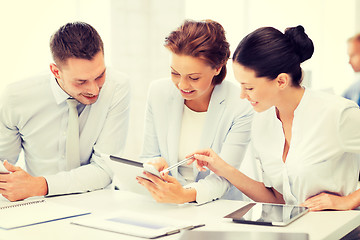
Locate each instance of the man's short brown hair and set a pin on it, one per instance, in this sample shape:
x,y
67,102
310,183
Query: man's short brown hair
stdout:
x,y
75,40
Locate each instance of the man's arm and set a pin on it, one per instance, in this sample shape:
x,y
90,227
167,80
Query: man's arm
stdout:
x,y
18,184
111,140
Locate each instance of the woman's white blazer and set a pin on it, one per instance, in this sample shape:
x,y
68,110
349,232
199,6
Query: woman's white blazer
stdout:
x,y
226,131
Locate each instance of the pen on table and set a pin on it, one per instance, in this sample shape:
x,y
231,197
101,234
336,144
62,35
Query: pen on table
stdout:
x,y
176,165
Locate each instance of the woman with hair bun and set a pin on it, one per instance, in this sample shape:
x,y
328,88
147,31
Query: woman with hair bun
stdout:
x,y
306,142
195,109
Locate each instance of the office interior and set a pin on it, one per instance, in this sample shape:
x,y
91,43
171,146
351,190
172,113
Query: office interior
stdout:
x,y
133,32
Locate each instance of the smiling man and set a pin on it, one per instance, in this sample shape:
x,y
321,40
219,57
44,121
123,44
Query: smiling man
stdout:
x,y
35,116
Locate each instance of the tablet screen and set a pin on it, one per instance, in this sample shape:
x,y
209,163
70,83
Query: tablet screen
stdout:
x,y
267,214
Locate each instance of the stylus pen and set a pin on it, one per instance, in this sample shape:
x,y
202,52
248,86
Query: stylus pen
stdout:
x,y
176,165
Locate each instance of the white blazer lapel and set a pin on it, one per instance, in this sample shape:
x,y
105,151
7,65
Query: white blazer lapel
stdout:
x,y
175,112
214,114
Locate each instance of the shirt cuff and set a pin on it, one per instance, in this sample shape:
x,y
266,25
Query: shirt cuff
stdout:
x,y
55,187
202,193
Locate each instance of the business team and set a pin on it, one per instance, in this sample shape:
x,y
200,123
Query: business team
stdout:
x,y
306,142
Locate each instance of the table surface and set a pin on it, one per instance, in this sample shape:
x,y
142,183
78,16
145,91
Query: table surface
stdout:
x,y
319,225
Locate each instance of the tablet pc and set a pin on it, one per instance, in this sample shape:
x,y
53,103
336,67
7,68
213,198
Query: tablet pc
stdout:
x,y
125,173
267,214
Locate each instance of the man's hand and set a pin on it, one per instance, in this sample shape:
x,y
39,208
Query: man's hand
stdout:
x,y
18,184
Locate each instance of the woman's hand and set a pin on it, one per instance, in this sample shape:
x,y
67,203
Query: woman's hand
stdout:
x,y
167,189
159,163
209,159
324,201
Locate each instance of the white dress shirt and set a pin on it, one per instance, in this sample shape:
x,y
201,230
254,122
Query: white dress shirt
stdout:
x,y
34,116
323,154
191,129
226,130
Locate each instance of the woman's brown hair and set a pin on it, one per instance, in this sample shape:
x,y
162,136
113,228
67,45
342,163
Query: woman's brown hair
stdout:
x,y
202,39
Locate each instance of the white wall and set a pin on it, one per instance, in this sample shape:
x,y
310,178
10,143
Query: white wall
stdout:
x,y
26,27
139,29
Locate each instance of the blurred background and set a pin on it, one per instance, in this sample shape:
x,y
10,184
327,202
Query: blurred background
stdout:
x,y
133,32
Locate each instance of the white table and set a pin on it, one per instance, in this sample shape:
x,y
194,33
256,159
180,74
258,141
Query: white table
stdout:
x,y
319,225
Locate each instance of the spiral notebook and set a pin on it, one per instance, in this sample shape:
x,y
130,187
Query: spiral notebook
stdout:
x,y
30,212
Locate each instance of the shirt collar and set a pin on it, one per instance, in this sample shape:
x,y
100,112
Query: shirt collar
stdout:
x,y
302,101
59,94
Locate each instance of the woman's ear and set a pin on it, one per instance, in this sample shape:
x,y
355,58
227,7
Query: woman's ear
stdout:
x,y
218,70
283,80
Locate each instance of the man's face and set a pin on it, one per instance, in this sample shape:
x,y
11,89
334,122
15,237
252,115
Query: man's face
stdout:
x,y
82,79
354,55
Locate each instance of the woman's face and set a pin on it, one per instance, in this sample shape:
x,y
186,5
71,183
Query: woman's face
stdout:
x,y
261,92
193,77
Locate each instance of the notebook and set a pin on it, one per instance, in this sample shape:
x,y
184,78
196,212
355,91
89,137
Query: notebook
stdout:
x,y
136,224
30,212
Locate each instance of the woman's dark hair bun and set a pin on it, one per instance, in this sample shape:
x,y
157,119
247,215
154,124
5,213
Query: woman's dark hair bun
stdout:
x,y
303,46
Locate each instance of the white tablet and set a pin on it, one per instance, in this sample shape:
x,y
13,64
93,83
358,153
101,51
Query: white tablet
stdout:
x,y
267,214
126,171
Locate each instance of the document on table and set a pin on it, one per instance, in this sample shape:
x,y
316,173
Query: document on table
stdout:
x,y
31,212
136,224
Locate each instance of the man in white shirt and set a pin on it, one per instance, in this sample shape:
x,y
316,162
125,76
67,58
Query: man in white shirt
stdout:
x,y
353,92
34,116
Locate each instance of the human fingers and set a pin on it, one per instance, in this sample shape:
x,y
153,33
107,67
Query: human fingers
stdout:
x,y
311,202
149,185
318,202
159,163
153,178
169,179
206,152
11,167
2,187
203,161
